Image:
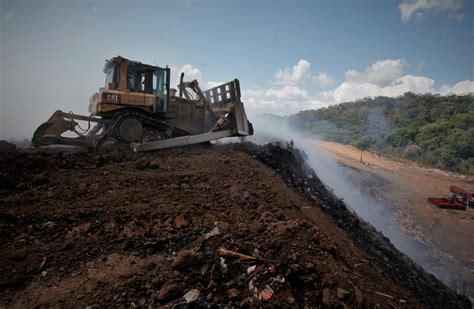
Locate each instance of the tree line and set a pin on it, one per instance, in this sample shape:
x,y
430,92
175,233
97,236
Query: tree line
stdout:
x,y
435,130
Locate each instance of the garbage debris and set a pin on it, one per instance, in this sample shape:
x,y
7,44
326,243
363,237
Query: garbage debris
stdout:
x,y
229,253
191,295
251,269
223,265
447,203
214,232
460,199
265,294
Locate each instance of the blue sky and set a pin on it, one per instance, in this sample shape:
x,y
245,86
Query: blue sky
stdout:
x,y
288,55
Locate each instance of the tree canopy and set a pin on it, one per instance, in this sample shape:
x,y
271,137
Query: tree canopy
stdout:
x,y
432,129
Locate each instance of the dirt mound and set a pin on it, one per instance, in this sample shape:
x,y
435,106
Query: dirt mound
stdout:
x,y
6,146
192,227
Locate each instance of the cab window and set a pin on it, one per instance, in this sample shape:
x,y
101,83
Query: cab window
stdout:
x,y
140,81
160,88
112,75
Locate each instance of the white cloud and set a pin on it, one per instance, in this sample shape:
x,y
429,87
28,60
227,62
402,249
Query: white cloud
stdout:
x,y
323,79
380,73
420,8
386,77
286,100
464,87
213,84
409,83
348,91
297,74
190,73
383,78
286,96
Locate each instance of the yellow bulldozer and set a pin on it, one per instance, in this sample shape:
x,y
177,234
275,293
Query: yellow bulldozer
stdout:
x,y
138,107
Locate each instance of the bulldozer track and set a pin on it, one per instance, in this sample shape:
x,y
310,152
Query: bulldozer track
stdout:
x,y
145,120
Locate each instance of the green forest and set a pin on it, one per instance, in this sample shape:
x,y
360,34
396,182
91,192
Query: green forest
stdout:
x,y
434,130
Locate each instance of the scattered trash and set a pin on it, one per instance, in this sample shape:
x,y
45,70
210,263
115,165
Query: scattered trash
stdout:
x,y
215,231
383,294
49,224
279,279
446,203
42,264
191,295
240,256
343,293
265,294
233,293
271,268
223,265
252,286
251,269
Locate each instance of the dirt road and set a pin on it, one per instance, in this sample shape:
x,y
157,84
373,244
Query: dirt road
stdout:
x,y
449,233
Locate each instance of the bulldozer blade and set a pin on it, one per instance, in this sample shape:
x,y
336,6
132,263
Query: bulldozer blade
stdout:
x,y
243,126
181,141
39,136
50,132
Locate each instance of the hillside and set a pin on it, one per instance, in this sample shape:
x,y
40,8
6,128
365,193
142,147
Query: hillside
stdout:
x,y
434,130
150,230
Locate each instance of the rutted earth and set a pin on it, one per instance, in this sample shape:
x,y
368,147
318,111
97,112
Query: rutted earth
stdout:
x,y
239,225
404,187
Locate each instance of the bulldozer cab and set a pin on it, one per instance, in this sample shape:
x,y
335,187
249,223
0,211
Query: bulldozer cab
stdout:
x,y
132,76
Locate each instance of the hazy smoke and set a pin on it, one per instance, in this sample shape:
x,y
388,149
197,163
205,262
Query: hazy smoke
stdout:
x,y
269,128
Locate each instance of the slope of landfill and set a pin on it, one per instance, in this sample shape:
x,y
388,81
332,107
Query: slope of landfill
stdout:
x,y
239,225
